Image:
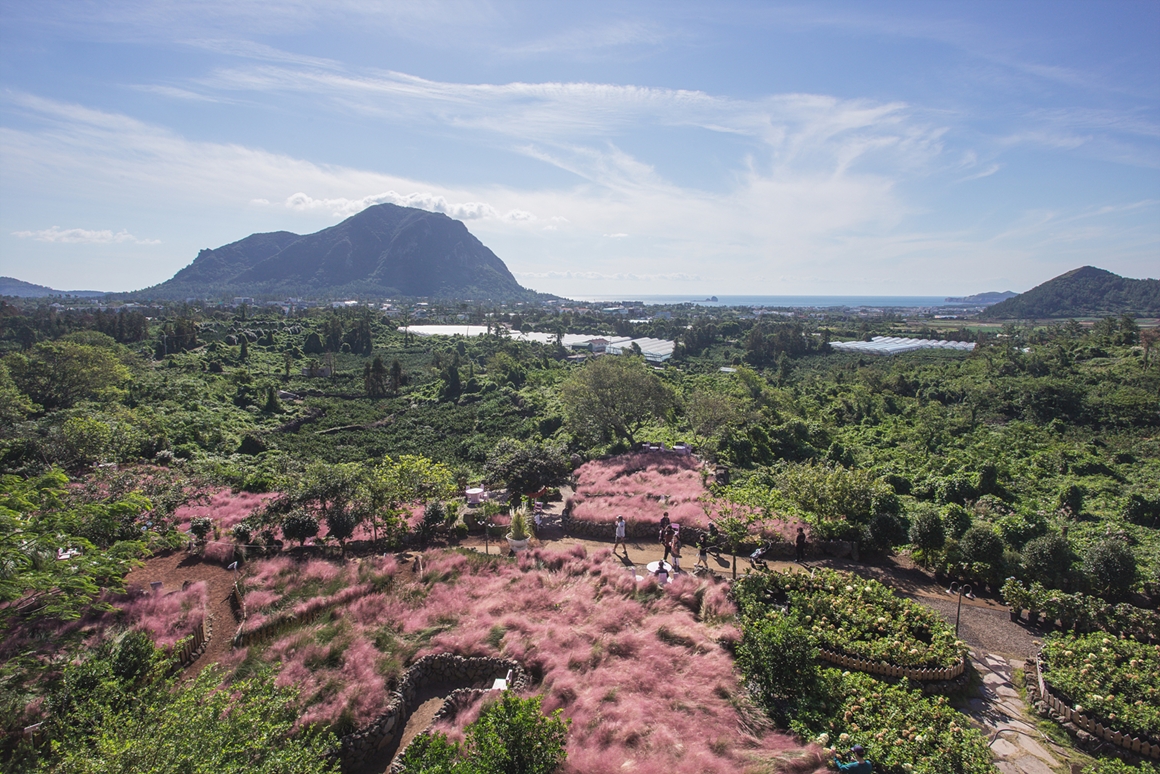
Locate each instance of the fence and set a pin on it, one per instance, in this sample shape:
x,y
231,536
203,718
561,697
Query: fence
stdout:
x,y
924,675
1145,747
192,647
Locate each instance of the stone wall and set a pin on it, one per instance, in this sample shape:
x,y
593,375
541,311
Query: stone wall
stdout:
x,y
475,675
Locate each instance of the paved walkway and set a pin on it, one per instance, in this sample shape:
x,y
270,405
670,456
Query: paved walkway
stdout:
x,y
1019,747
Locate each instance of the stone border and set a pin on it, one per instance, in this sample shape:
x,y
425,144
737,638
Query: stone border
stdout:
x,y
1087,731
442,668
942,680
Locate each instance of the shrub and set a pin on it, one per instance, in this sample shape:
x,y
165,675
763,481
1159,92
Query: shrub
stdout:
x,y
980,545
1110,567
1048,560
299,525
1071,498
926,532
956,520
200,527
854,615
1017,529
900,729
1115,680
778,658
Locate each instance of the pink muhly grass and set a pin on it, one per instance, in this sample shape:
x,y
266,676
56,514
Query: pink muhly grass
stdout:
x,y
224,507
641,673
166,618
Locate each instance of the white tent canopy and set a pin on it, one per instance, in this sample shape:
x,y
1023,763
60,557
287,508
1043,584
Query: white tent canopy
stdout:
x,y
893,345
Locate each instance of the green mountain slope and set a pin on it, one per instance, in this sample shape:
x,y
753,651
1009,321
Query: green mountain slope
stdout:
x,y
1083,292
383,251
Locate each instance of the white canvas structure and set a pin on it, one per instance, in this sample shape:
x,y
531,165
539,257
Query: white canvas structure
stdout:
x,y
894,345
654,350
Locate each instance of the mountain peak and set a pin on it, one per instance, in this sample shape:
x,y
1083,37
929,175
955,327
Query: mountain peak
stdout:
x,y
1088,291
385,250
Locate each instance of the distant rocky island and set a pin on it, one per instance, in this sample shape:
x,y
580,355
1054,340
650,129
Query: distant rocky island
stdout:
x,y
984,299
10,286
1084,292
384,251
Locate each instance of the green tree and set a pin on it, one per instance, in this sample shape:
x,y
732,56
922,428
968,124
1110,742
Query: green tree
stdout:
x,y
779,659
299,525
1110,567
56,560
396,378
927,534
375,378
394,484
1047,559
14,406
513,736
527,466
137,720
612,398
59,374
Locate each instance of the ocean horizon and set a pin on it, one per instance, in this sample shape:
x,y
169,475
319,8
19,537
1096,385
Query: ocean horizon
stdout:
x,y
794,302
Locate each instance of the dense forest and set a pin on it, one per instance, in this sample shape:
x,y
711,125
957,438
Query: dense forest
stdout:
x,y
1036,456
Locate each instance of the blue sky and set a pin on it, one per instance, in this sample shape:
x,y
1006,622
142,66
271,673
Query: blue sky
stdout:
x,y
726,148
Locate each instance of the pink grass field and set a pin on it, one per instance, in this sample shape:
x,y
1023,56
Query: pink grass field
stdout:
x,y
166,618
644,673
225,508
643,487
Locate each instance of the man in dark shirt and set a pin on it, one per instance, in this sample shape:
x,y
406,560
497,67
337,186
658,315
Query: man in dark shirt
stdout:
x,y
857,766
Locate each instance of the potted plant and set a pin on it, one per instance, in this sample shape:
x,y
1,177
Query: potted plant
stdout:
x,y
518,532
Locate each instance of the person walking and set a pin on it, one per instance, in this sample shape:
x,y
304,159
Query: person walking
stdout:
x,y
702,553
800,545
620,536
667,541
857,766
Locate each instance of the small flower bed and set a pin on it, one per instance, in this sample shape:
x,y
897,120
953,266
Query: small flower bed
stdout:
x,y
901,730
858,617
1083,612
1116,681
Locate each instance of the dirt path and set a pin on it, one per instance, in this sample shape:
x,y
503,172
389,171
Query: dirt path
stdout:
x,y
175,568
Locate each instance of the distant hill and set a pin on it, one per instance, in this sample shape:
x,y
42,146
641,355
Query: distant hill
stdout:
x,y
1083,292
383,251
984,299
10,286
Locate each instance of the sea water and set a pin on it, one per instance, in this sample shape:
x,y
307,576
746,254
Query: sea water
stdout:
x,y
794,302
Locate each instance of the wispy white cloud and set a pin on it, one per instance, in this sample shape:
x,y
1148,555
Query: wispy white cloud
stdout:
x,y
84,236
424,201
